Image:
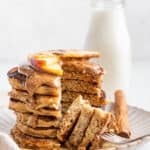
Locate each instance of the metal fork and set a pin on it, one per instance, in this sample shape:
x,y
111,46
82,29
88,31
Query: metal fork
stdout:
x,y
115,139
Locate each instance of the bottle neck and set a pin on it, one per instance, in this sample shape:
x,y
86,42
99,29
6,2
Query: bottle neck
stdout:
x,y
107,4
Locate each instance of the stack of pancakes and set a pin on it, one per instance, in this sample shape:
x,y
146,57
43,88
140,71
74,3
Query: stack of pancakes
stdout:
x,y
80,77
41,94
36,99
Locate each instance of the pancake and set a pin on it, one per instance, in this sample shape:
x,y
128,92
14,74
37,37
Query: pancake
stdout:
x,y
17,106
21,107
94,100
42,90
37,132
36,101
36,121
25,78
26,141
97,79
19,95
98,125
85,68
65,54
81,126
80,86
70,118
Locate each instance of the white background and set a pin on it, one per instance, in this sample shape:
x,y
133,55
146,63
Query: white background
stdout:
x,y
29,25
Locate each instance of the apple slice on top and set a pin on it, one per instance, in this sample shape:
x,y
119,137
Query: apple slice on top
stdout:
x,y
47,63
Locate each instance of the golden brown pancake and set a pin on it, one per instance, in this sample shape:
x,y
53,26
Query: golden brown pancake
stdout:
x,y
19,95
97,79
36,121
70,119
37,132
43,90
36,101
94,100
81,125
72,54
26,78
34,143
80,86
81,67
18,106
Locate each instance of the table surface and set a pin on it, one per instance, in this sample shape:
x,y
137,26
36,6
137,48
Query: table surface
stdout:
x,y
139,92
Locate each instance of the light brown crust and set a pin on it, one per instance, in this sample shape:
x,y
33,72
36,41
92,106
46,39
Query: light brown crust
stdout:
x,y
81,126
70,119
18,106
80,86
36,101
37,132
26,141
36,121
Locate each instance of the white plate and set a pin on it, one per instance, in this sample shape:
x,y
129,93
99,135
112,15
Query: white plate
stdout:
x,y
138,118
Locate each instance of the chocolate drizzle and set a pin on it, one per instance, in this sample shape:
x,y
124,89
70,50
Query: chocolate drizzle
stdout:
x,y
13,73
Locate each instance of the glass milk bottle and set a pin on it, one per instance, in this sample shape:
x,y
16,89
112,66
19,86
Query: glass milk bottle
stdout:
x,y
108,34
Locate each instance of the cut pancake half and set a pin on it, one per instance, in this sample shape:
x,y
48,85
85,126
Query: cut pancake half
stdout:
x,y
82,124
80,86
70,119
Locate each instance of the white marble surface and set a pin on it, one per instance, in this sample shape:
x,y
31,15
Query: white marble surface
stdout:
x,y
139,92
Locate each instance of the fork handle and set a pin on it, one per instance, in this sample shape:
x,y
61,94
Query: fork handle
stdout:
x,y
133,140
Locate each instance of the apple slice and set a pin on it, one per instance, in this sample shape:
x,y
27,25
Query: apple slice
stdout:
x,y
55,69
47,63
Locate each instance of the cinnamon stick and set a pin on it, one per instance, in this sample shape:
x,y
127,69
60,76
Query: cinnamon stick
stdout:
x,y
121,114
